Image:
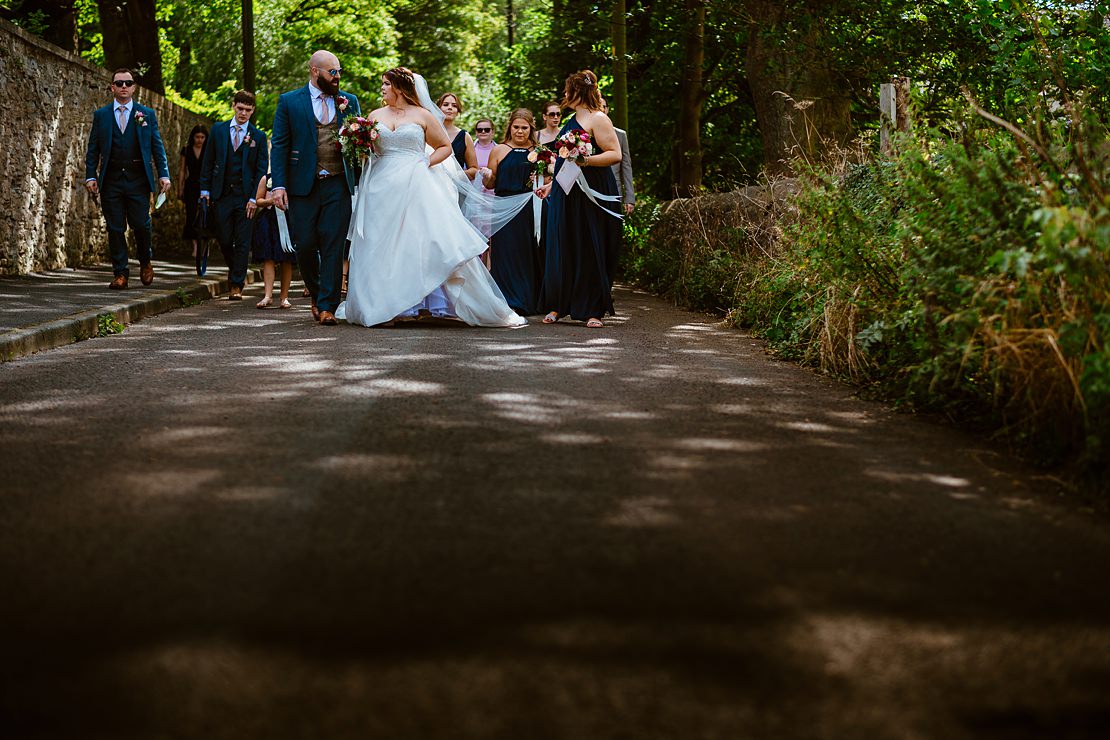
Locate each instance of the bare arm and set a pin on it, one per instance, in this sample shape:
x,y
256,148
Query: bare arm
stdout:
x,y
437,139
605,137
495,158
181,176
470,156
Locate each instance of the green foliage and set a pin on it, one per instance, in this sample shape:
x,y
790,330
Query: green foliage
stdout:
x,y
106,325
186,298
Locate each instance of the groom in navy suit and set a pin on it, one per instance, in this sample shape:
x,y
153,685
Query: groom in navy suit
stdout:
x,y
313,181
235,160
123,139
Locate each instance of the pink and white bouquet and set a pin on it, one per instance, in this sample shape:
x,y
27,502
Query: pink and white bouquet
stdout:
x,y
357,139
575,145
543,163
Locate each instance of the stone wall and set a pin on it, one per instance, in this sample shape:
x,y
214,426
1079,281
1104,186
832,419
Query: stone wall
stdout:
x,y
47,97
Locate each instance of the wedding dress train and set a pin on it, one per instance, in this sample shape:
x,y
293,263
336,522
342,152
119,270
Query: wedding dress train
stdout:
x,y
409,238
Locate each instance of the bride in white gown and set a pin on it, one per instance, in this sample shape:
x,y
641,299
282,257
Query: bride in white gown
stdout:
x,y
411,245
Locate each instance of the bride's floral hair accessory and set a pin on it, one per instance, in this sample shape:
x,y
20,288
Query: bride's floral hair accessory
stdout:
x,y
404,82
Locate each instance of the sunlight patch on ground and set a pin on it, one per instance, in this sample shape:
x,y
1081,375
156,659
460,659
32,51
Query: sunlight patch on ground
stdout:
x,y
649,511
170,482
733,409
742,381
573,439
712,444
948,481
812,426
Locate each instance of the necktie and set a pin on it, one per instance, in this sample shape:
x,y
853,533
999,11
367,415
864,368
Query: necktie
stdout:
x,y
236,140
325,114
122,115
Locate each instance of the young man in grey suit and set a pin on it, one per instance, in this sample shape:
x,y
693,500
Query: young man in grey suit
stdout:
x,y
123,140
623,170
313,181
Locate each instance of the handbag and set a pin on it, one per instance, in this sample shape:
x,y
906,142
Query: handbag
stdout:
x,y
201,220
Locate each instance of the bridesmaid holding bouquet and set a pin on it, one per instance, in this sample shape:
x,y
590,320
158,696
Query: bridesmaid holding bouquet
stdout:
x,y
583,229
516,262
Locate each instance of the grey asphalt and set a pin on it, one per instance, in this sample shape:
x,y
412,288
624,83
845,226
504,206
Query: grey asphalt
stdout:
x,y
232,523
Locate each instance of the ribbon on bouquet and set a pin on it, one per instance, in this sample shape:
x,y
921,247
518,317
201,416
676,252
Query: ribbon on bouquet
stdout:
x,y
283,232
537,215
358,217
571,174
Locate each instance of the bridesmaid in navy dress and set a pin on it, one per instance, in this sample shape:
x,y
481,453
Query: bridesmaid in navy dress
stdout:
x,y
516,262
462,146
582,237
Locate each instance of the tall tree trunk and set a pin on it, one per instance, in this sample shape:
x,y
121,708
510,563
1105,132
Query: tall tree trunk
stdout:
x,y
800,105
130,32
510,21
686,163
618,111
55,19
249,80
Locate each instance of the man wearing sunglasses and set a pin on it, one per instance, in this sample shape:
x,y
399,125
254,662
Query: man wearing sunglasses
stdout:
x,y
123,140
313,181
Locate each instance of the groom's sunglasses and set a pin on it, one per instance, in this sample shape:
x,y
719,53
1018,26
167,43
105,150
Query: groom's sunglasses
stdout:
x,y
123,83
335,72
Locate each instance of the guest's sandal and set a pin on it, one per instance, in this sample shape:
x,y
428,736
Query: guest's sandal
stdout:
x,y
286,304
264,303
594,324
551,318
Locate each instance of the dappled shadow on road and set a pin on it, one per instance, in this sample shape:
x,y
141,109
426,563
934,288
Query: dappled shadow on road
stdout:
x,y
430,532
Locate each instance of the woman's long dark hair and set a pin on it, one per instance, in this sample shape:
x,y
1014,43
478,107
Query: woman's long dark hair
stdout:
x,y
198,129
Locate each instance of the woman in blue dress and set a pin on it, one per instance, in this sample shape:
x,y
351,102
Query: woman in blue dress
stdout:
x,y
516,262
583,229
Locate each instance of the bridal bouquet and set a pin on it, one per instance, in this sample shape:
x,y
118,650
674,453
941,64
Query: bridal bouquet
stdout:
x,y
575,145
357,139
543,163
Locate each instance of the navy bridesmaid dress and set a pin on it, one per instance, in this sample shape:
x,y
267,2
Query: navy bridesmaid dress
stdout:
x,y
582,243
516,262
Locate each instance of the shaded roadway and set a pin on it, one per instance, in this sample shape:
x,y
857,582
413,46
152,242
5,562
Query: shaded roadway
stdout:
x,y
231,523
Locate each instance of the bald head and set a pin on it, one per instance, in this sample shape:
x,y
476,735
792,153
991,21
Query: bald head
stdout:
x,y
324,71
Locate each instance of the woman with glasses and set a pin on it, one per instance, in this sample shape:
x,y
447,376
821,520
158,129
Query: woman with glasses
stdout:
x,y
550,130
485,145
516,262
462,146
583,232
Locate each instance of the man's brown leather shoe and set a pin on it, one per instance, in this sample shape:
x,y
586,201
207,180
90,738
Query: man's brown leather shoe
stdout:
x,y
315,312
327,318
146,273
236,293
119,283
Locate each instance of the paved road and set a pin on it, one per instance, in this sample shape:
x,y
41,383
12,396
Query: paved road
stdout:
x,y
228,523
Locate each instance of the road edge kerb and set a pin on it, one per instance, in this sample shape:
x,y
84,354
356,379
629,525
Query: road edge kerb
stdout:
x,y
84,325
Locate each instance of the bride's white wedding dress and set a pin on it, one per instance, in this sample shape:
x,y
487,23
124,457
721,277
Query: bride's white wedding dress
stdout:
x,y
409,239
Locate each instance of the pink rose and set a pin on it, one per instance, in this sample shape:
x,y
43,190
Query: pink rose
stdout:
x,y
564,152
533,156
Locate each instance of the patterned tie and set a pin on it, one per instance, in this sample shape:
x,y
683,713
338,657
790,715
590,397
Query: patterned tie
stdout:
x,y
236,140
325,113
122,115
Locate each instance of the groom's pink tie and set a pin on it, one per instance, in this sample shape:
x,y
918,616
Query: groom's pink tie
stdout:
x,y
122,115
325,113
236,132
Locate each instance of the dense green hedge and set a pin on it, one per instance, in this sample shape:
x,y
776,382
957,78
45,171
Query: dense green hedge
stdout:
x,y
969,274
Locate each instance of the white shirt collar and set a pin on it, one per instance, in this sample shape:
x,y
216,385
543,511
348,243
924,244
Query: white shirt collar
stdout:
x,y
128,105
314,91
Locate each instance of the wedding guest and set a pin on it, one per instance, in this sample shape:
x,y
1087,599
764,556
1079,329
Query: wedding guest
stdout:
x,y
550,130
623,169
234,160
485,145
123,141
188,187
516,262
462,146
266,248
583,232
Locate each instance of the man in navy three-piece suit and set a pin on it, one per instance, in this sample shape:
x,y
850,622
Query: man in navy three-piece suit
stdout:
x,y
235,160
313,181
123,140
